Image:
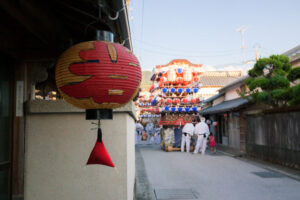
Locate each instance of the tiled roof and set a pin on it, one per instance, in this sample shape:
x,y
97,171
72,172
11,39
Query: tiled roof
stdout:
x,y
219,78
225,106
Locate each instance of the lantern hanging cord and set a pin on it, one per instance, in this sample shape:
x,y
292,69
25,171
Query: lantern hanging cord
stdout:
x,y
99,133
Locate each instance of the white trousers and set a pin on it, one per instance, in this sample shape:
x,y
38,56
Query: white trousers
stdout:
x,y
185,140
201,143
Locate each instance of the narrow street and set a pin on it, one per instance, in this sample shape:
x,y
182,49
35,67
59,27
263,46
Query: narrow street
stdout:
x,y
175,175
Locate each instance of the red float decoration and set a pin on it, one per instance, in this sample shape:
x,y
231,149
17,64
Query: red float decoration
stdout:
x,y
176,101
168,101
184,100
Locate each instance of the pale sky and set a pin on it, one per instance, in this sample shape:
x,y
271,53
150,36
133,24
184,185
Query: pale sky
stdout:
x,y
205,31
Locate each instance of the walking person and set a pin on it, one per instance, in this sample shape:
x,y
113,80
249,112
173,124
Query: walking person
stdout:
x,y
138,132
149,130
202,131
187,132
212,143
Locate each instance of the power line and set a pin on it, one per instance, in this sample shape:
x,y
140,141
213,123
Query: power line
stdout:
x,y
185,50
159,52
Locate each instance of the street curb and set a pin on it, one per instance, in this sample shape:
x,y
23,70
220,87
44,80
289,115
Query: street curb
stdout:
x,y
143,191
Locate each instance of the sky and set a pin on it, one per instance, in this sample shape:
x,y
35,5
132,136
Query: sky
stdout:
x,y
205,31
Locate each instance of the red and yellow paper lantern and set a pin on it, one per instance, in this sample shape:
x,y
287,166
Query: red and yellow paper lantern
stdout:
x,y
97,74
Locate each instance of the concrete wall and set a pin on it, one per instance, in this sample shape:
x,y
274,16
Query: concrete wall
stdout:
x,y
275,137
58,145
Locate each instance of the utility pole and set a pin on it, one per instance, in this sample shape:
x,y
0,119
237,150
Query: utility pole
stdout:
x,y
257,47
242,30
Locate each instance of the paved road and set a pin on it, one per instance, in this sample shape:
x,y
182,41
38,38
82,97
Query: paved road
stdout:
x,y
176,175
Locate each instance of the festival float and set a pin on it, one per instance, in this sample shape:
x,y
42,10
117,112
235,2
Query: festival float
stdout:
x,y
174,98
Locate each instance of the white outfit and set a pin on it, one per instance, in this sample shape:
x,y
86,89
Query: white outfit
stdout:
x,y
149,130
201,129
189,129
138,132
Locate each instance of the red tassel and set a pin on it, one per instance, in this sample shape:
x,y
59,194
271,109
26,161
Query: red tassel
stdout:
x,y
100,156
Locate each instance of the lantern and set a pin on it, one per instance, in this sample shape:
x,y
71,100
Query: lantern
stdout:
x,y
144,109
179,70
196,79
187,90
195,90
187,109
147,98
194,109
165,90
98,75
142,116
179,109
149,109
167,108
156,110
168,101
142,99
142,104
187,75
176,101
184,101
193,101
171,76
179,90
146,104
172,90
173,109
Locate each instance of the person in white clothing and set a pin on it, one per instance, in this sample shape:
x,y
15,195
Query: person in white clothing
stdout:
x,y
202,132
187,132
138,131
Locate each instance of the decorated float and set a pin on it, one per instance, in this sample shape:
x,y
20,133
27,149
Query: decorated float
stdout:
x,y
174,98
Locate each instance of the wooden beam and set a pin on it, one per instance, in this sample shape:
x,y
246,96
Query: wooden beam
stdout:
x,y
37,21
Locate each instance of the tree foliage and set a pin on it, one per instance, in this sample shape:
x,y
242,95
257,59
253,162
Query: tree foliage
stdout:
x,y
294,74
270,80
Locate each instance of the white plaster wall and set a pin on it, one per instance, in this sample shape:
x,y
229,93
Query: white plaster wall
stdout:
x,y
218,100
57,147
207,92
232,94
130,158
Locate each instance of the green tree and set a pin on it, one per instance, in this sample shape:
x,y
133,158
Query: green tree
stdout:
x,y
268,82
294,77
